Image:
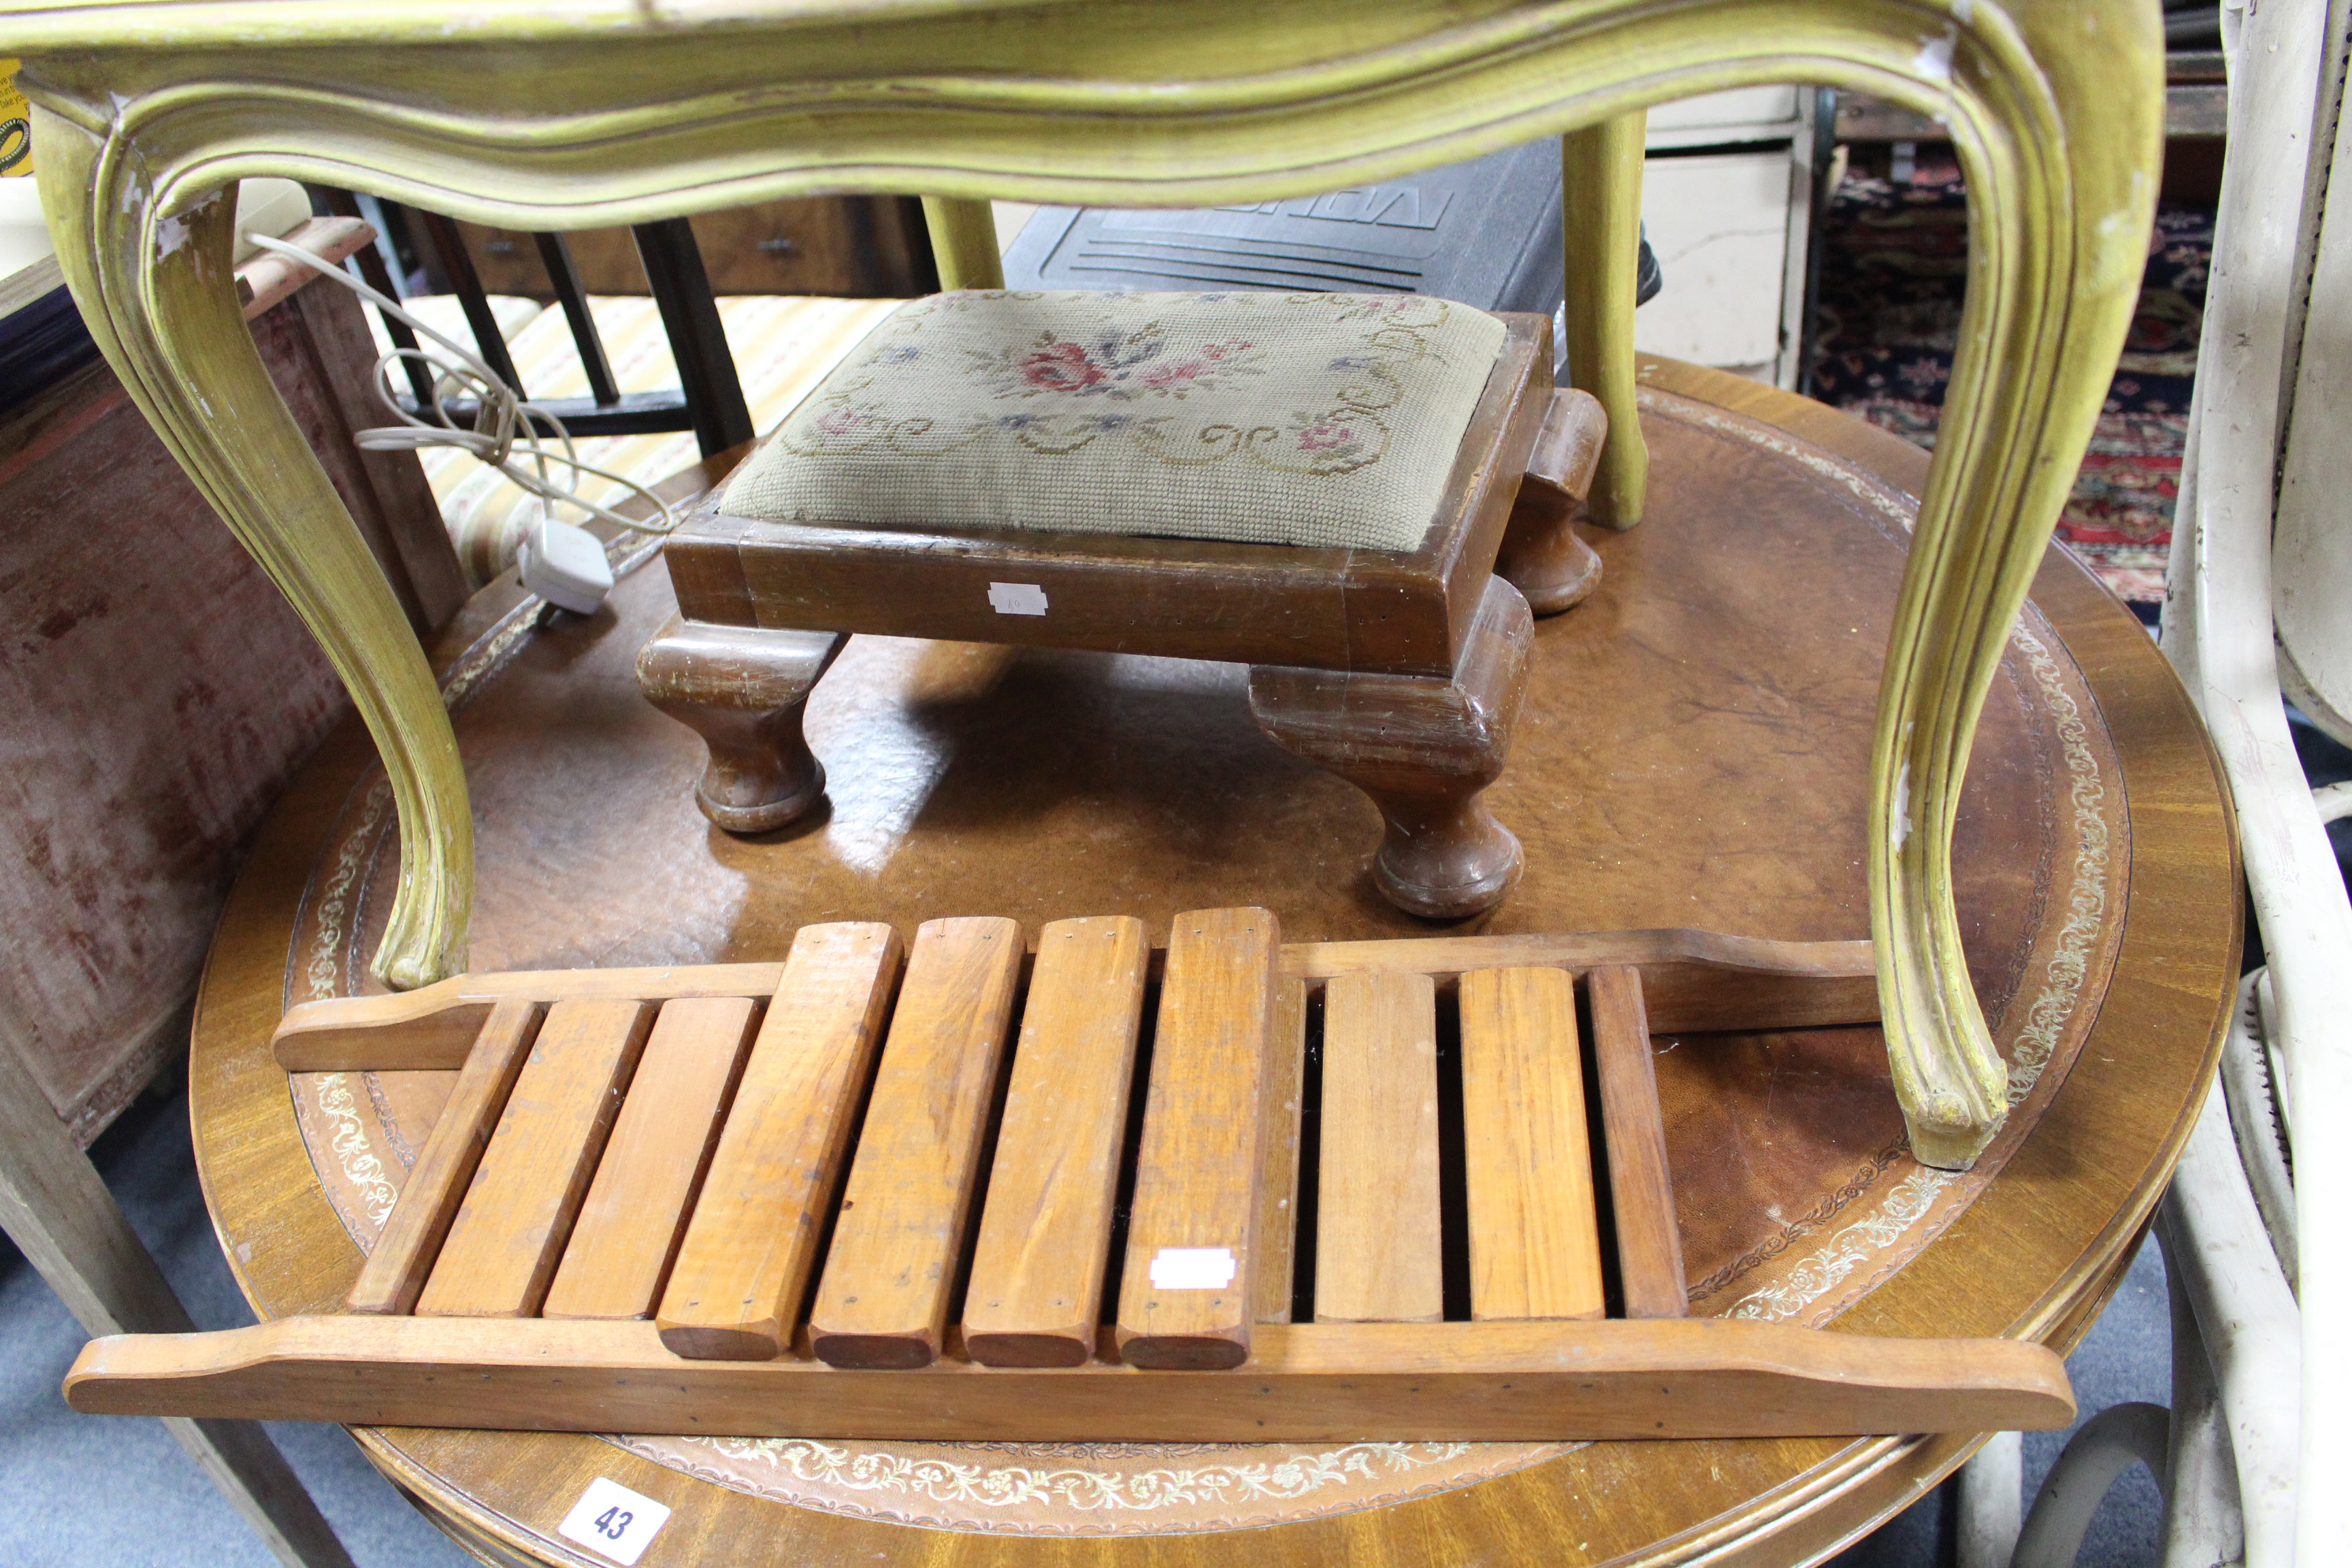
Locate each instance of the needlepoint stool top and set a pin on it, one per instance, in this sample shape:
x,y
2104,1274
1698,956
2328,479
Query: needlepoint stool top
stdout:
x,y
1317,420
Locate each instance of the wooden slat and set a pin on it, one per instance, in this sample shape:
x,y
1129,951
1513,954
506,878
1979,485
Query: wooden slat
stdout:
x,y
1277,1188
629,1228
1535,1244
1640,1186
1695,980
1695,1377
265,279
744,1268
1186,1295
1045,1235
883,1301
504,1244
1377,1254
433,1026
394,1274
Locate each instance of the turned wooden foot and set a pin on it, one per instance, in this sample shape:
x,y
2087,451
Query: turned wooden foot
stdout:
x,y
1423,747
1541,556
743,689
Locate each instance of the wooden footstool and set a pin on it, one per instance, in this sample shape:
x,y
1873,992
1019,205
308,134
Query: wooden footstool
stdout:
x,y
1361,497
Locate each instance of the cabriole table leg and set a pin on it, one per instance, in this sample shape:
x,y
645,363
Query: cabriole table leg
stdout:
x,y
153,275
1601,190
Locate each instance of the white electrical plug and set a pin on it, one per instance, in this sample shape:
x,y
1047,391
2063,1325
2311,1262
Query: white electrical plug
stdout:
x,y
565,565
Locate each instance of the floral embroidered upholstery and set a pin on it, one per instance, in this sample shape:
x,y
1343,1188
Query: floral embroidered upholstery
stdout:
x,y
1306,419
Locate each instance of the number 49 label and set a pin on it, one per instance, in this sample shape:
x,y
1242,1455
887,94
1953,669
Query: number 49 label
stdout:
x,y
613,1521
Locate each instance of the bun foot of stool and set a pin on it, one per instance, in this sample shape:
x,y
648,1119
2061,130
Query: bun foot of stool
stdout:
x,y
1548,563
1423,747
1540,555
743,691
1446,865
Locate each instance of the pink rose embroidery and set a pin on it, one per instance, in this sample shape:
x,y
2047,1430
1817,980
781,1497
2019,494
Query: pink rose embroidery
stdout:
x,y
1317,437
1190,370
840,422
1062,368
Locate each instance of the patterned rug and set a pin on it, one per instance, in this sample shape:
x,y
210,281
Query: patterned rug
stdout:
x,y
1893,269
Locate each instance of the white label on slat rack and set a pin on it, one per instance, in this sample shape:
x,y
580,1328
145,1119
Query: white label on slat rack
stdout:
x,y
1016,598
1192,1268
613,1521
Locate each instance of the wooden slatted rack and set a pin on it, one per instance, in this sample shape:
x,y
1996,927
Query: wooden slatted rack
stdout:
x,y
962,1189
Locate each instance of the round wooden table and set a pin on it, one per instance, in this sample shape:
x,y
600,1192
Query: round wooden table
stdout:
x,y
1694,753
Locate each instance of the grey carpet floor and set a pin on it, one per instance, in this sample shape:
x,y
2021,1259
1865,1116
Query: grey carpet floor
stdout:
x,y
2127,1357
96,1491
115,1491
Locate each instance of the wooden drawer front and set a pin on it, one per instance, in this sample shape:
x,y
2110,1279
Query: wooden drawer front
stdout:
x,y
854,246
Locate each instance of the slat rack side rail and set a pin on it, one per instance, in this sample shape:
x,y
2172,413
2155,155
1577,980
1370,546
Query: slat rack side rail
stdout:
x,y
639,1209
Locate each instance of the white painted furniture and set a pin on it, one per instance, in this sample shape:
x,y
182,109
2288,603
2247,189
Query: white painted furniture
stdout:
x,y
2259,597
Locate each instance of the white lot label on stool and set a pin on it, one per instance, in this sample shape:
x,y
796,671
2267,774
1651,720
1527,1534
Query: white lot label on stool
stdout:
x,y
613,1521
1017,599
1192,1268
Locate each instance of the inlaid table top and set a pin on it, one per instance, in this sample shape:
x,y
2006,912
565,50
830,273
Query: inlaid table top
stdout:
x,y
1695,751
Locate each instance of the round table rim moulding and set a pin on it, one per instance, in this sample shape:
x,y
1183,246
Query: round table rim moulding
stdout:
x,y
1846,1489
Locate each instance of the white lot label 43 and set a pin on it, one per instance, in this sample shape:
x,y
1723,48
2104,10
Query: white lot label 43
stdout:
x,y
613,1521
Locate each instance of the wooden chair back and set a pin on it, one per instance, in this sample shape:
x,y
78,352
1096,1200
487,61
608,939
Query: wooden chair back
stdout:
x,y
709,398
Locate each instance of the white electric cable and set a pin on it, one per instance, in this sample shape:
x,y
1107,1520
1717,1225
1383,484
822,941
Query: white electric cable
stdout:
x,y
505,423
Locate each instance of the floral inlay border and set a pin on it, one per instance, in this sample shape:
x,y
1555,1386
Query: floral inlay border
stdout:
x,y
1092,1498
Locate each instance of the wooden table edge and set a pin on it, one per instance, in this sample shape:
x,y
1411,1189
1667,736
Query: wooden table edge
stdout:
x,y
261,1185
